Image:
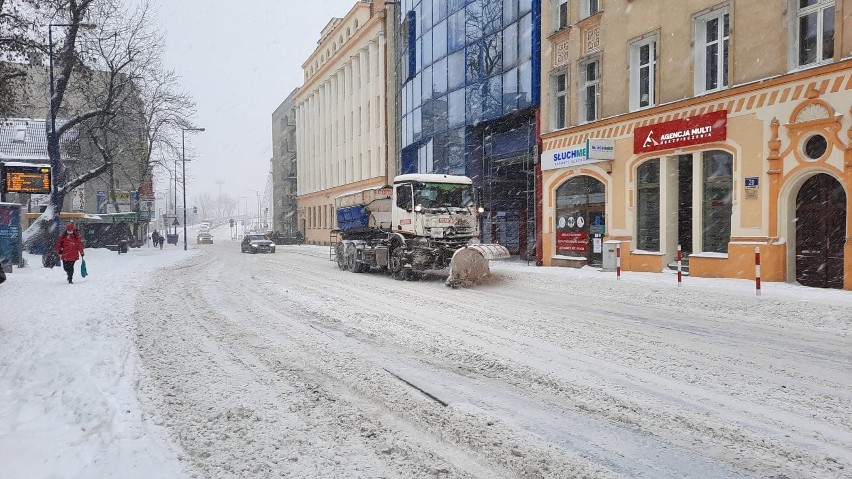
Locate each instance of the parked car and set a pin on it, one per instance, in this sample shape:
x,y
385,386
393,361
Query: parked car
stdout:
x,y
204,237
256,243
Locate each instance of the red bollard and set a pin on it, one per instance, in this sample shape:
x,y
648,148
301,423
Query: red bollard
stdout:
x,y
618,262
757,271
679,266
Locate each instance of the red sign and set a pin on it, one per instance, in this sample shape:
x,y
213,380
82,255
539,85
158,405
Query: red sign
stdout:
x,y
694,130
572,242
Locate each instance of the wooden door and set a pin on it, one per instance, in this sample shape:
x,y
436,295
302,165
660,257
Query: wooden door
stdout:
x,y
820,232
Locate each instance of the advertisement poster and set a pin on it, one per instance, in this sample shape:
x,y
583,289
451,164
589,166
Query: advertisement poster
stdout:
x,y
572,242
10,233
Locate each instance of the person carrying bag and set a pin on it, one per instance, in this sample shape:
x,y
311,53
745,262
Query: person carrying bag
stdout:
x,y
70,249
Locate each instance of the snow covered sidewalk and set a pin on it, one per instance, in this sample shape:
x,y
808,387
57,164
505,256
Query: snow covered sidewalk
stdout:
x,y
68,407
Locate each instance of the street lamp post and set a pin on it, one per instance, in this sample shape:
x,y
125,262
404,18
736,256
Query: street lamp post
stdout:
x,y
183,160
54,105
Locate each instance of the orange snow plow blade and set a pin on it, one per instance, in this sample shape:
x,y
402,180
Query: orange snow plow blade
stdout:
x,y
470,264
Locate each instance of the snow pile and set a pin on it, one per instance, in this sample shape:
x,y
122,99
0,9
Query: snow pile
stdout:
x,y
67,371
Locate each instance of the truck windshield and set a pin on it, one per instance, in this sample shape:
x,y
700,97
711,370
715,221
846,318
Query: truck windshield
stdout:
x,y
443,195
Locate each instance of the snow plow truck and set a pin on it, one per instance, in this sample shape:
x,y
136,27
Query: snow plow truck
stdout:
x,y
422,222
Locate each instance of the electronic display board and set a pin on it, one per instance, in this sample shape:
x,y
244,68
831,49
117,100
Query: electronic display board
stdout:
x,y
26,179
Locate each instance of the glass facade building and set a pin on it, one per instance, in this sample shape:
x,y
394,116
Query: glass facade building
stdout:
x,y
467,94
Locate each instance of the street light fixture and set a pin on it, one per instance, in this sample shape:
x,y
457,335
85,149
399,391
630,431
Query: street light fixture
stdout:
x,y
54,106
183,161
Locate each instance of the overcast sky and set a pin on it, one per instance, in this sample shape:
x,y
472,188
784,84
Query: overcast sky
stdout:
x,y
239,60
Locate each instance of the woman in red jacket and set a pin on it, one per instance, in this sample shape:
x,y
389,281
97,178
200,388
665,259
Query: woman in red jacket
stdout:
x,y
70,248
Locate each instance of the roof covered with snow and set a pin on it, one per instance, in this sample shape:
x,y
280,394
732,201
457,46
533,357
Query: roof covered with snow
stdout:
x,y
25,140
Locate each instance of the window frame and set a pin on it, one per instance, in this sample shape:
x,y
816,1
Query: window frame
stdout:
x,y
642,190
560,96
819,8
586,8
634,49
584,84
723,81
561,11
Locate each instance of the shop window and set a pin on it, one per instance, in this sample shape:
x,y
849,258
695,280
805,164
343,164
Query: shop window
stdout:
x,y
717,200
589,90
643,72
814,31
648,210
712,32
580,211
560,101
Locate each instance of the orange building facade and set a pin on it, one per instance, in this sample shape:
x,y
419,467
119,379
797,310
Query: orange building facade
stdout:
x,y
651,147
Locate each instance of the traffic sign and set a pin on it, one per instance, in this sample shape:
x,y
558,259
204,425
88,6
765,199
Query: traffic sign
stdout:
x,y
175,222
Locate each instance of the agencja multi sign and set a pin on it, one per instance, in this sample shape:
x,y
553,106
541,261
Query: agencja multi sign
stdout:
x,y
592,151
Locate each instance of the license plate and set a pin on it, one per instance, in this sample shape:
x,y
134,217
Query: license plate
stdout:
x,y
437,232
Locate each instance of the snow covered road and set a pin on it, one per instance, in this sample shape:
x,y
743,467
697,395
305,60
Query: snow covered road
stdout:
x,y
270,365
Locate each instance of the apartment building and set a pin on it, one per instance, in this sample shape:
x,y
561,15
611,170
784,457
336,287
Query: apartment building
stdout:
x,y
715,126
342,115
284,168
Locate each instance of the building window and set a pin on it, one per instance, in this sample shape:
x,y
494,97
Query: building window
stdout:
x,y
560,101
643,71
560,14
589,90
711,51
589,7
648,202
717,200
815,31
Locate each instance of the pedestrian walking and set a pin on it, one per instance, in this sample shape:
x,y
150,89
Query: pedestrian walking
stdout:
x,y
155,237
70,249
162,240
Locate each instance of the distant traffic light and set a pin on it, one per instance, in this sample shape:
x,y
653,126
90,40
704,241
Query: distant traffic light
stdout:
x,y
195,209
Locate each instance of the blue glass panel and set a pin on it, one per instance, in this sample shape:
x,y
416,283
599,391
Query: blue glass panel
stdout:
x,y
455,31
474,103
426,15
510,46
510,91
474,22
417,124
426,92
439,77
455,70
456,147
510,11
525,82
455,109
524,6
426,41
473,62
417,93
492,55
441,153
440,11
455,5
439,40
525,38
492,97
492,16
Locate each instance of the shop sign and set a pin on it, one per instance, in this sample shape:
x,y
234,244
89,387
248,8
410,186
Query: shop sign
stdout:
x,y
124,218
694,130
572,242
592,151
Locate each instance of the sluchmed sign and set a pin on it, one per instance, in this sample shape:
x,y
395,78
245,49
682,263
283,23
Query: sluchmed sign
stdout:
x,y
694,130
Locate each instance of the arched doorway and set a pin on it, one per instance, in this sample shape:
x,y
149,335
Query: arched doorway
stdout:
x,y
820,232
581,219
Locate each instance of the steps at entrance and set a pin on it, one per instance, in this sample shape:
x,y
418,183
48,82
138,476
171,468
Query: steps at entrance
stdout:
x,y
684,266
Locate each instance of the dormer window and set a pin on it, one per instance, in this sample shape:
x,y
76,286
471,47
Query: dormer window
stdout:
x,y
20,134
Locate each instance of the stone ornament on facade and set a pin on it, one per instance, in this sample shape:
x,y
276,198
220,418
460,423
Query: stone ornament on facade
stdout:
x,y
812,122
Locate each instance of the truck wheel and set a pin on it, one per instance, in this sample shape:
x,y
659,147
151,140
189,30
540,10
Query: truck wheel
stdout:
x,y
341,259
396,265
